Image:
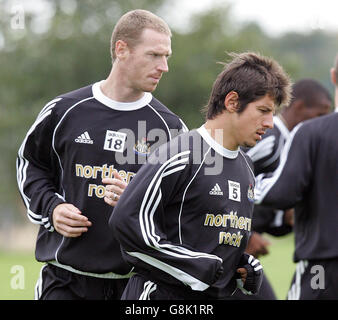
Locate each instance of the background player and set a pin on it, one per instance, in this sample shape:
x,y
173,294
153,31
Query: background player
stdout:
x,y
185,219
309,160
82,137
334,80
309,99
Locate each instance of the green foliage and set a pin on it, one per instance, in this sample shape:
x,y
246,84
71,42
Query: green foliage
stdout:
x,y
72,49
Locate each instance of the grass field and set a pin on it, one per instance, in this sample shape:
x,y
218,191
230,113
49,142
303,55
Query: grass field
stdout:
x,y
278,264
19,271
18,274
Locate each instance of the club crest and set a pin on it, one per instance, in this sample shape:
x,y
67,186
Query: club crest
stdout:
x,y
251,193
142,147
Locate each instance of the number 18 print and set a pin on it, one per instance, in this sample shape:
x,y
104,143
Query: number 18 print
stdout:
x,y
114,141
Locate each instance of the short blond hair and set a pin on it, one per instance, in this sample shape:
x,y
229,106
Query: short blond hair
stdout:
x,y
131,25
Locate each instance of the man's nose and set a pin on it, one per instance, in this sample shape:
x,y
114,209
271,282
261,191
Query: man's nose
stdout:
x,y
268,121
163,65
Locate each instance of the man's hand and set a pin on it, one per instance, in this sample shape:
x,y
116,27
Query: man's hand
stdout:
x,y
69,221
257,245
289,217
243,273
250,281
114,189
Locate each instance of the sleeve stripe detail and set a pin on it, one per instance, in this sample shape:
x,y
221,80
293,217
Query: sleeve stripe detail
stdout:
x,y
22,162
165,123
184,126
146,203
277,153
148,208
169,172
263,186
185,191
258,268
148,288
194,283
262,149
48,106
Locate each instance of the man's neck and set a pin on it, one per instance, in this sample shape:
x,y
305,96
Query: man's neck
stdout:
x,y
114,88
221,132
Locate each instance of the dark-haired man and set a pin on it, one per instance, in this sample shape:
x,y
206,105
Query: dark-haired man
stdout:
x,y
309,100
334,80
184,220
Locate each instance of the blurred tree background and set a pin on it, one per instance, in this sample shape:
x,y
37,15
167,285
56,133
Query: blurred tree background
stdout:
x,y
65,45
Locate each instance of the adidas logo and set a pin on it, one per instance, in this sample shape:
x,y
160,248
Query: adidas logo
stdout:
x,y
84,138
216,191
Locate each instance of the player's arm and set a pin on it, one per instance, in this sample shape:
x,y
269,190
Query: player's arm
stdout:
x,y
138,222
272,221
116,186
285,188
36,175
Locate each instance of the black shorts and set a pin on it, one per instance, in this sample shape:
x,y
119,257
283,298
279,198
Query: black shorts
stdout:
x,y
315,280
59,284
140,288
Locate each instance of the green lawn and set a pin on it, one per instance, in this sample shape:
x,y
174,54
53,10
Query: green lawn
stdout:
x,y
19,271
278,264
18,274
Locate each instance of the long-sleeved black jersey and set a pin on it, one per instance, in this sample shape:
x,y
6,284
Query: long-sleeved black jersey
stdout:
x,y
186,213
307,179
265,156
78,139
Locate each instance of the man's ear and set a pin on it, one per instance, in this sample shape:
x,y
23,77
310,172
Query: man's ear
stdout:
x,y
121,49
298,105
333,77
231,101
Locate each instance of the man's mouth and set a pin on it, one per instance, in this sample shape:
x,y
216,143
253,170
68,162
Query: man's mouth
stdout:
x,y
156,78
260,133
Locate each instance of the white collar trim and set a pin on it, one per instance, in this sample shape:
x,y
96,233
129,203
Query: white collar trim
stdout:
x,y
121,106
231,154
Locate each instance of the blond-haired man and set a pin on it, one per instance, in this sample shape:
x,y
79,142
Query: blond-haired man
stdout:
x,y
100,134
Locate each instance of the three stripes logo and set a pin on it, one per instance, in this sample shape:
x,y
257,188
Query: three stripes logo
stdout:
x,y
216,191
84,138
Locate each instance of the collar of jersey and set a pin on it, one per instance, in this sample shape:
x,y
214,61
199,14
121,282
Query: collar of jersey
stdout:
x,y
231,154
121,106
